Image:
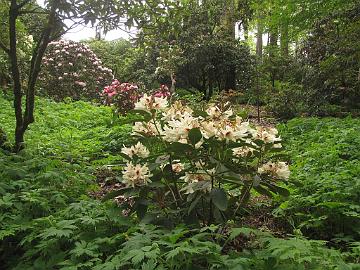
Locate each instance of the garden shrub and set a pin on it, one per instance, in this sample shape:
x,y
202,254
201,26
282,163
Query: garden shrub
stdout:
x,y
287,101
71,69
121,95
202,163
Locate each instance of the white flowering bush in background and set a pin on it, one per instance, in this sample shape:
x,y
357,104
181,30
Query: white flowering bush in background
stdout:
x,y
198,165
71,69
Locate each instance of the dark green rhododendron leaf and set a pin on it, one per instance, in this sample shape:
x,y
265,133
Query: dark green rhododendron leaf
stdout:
x,y
276,189
178,148
195,136
219,198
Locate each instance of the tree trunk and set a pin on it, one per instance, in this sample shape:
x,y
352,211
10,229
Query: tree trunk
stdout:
x,y
273,48
230,82
274,35
36,65
19,134
230,79
259,40
284,39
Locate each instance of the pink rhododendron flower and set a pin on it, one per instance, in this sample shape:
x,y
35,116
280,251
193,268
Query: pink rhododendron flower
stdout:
x,y
162,92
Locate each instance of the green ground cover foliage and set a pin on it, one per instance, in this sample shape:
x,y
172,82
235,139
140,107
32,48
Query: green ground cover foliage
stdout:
x,y
48,220
325,177
72,130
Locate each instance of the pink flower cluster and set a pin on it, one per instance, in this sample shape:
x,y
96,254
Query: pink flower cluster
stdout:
x,y
162,92
118,88
122,95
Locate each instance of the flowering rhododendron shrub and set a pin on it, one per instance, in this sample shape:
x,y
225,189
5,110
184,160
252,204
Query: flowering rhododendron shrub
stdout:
x,y
199,165
71,69
123,96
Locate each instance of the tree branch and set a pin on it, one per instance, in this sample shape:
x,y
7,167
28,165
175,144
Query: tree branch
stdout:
x,y
32,12
35,67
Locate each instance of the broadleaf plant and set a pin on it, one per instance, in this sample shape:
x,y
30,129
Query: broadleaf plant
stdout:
x,y
187,167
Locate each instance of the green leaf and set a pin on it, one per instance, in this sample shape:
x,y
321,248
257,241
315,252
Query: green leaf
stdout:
x,y
276,189
263,191
111,195
219,198
141,208
147,115
194,203
195,135
200,113
179,148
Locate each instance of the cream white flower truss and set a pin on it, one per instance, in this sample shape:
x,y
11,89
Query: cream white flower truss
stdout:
x,y
267,135
148,103
177,166
136,150
199,180
136,175
279,170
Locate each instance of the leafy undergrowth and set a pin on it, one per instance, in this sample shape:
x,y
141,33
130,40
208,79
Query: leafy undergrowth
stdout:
x,y
325,198
48,220
73,131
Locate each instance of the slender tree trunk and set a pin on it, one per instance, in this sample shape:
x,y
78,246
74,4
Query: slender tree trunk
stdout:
x,y
230,79
230,82
211,86
284,39
246,30
274,36
259,40
273,48
35,67
19,134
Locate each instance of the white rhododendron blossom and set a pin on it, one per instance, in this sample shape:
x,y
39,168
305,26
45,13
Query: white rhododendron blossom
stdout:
x,y
204,186
148,103
138,150
148,128
242,151
279,169
176,111
216,112
267,135
200,180
196,177
136,175
177,130
208,129
177,167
